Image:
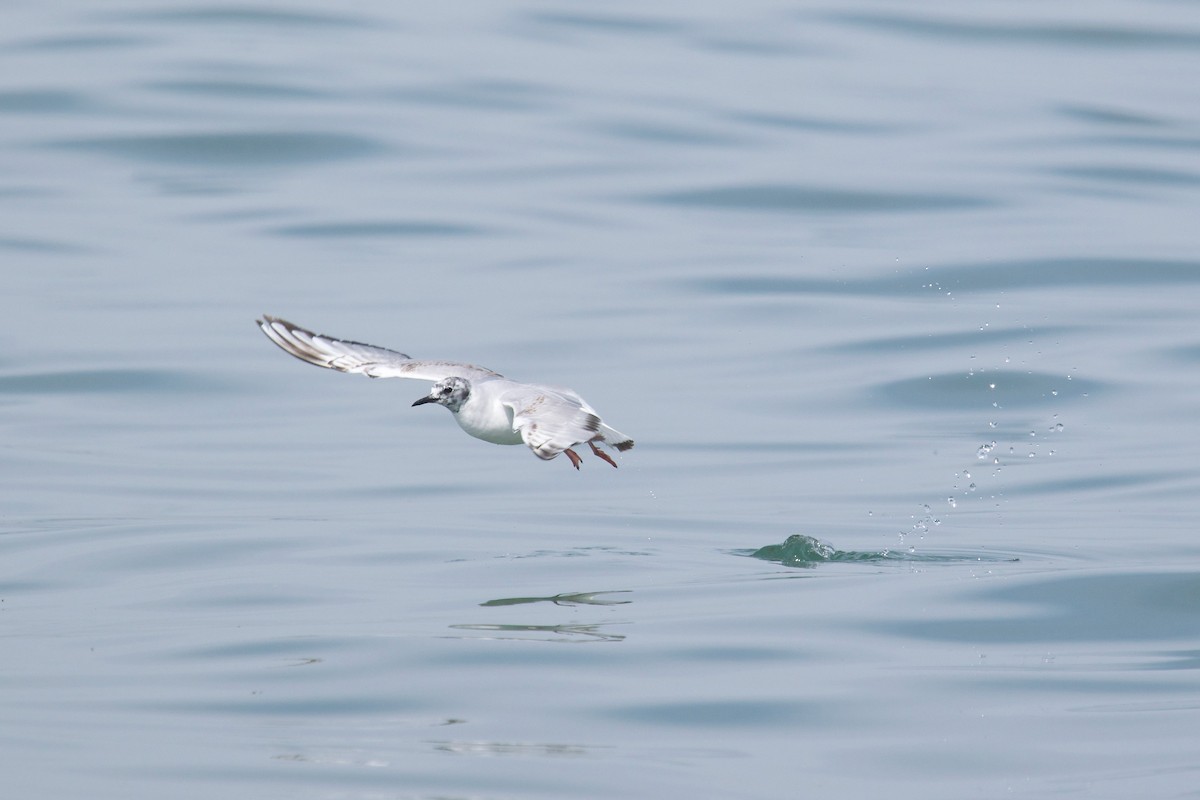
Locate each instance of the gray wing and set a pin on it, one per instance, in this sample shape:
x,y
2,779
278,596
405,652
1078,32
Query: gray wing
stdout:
x,y
550,421
359,358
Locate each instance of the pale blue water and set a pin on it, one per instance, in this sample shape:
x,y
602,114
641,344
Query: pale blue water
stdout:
x,y
919,282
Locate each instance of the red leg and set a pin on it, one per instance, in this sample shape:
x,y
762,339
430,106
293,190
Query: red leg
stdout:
x,y
575,459
602,454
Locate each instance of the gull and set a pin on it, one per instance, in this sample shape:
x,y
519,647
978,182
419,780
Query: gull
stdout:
x,y
547,419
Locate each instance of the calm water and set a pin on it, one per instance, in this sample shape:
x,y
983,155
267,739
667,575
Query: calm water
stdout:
x,y
899,301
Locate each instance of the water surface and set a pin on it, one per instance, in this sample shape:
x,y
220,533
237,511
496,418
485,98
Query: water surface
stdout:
x,y
898,303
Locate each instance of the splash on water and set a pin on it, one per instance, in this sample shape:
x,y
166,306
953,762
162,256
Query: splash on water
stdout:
x,y
799,550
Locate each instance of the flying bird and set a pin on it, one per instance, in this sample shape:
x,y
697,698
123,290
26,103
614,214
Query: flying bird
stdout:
x,y
547,419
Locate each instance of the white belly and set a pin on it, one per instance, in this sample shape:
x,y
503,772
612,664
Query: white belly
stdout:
x,y
486,419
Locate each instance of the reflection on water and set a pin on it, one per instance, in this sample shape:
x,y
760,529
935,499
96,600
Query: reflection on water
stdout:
x,y
472,748
557,633
565,599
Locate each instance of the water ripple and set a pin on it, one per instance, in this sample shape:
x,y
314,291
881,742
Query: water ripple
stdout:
x,y
265,149
250,90
104,381
69,43
374,230
973,277
40,246
1075,608
481,95
1130,142
795,122
233,15
1109,116
604,23
942,341
665,134
43,101
813,199
1006,33
974,390
1107,173
720,713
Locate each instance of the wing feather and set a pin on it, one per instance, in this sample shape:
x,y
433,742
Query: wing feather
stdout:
x,y
362,359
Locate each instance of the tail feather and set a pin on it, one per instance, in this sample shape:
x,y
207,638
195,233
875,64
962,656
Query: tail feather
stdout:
x,y
614,438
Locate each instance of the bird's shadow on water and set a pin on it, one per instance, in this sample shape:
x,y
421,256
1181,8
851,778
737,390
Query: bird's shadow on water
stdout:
x,y
803,551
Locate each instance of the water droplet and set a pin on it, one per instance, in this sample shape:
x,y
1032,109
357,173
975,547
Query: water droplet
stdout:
x,y
971,488
953,503
1033,433
991,386
992,424
1057,428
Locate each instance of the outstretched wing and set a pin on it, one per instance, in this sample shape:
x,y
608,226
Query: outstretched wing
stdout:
x,y
359,358
549,420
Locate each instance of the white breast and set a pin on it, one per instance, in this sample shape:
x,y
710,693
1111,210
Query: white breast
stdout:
x,y
485,417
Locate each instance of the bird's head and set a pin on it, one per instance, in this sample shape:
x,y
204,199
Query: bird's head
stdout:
x,y
448,392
